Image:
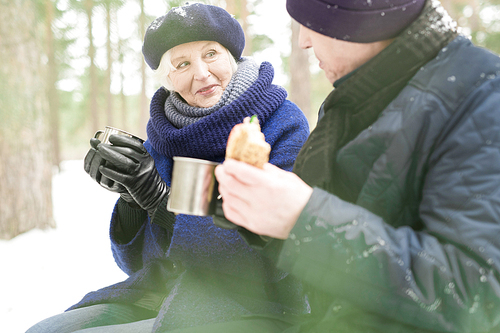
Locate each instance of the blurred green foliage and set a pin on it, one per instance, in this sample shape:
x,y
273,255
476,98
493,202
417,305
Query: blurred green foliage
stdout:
x,y
480,19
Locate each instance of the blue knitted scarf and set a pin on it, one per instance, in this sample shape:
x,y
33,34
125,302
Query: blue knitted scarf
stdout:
x,y
207,138
195,238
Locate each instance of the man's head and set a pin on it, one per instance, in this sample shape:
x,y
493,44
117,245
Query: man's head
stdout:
x,y
347,33
337,57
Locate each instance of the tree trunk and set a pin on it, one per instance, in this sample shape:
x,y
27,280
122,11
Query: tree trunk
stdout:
x,y
123,98
449,6
244,24
52,74
144,103
25,156
93,88
475,20
109,96
231,7
239,8
300,75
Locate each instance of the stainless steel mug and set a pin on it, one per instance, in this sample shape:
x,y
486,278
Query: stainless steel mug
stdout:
x,y
103,136
194,189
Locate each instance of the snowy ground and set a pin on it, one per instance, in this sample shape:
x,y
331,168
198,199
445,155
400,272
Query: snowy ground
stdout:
x,y
45,272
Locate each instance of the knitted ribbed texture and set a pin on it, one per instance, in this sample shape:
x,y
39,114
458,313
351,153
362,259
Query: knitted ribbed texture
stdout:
x,y
262,99
163,217
131,220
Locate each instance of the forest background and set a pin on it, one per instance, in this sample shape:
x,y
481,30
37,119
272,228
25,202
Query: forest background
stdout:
x,y
70,67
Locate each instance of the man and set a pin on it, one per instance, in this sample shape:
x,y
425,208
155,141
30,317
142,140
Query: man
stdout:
x,y
392,215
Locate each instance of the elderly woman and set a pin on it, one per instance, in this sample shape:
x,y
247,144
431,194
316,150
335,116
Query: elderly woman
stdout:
x,y
184,272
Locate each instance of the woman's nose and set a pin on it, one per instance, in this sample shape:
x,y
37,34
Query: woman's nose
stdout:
x,y
200,70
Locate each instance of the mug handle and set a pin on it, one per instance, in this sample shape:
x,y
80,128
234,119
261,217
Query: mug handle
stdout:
x,y
97,134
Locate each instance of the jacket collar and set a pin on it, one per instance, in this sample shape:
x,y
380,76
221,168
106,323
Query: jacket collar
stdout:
x,y
414,47
359,100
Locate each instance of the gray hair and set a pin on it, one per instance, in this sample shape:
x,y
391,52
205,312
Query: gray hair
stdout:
x,y
165,67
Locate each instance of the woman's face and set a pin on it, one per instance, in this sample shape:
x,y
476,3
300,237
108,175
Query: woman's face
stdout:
x,y
202,72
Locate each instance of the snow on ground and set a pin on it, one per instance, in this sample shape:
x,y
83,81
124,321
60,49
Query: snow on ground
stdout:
x,y
42,273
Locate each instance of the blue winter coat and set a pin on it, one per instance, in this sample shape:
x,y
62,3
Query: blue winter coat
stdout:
x,y
207,274
419,248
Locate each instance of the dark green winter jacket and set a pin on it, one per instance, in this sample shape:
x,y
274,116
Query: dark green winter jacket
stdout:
x,y
402,232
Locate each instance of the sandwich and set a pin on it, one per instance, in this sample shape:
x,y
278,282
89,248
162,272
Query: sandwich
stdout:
x,y
247,143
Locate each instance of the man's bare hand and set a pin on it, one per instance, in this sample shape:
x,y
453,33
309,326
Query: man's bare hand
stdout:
x,y
265,201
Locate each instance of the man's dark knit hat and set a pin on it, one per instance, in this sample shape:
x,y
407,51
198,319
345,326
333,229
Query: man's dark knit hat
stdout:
x,y
191,23
361,21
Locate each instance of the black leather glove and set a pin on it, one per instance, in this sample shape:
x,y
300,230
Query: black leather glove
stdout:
x,y
254,240
93,160
220,219
128,164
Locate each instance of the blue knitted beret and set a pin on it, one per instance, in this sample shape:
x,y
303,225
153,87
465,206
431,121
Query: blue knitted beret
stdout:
x,y
190,23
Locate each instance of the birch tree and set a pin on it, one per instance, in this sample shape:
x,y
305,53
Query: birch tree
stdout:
x,y
25,155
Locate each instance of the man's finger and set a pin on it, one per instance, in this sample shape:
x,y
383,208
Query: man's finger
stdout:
x,y
243,172
230,185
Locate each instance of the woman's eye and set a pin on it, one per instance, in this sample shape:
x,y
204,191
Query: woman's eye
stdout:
x,y
211,54
183,64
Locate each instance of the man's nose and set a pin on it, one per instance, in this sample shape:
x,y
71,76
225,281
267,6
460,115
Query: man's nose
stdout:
x,y
304,40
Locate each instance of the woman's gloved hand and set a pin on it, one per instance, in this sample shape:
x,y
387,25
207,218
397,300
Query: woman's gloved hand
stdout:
x,y
219,218
129,165
93,160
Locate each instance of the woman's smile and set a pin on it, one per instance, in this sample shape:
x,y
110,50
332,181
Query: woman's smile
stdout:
x,y
208,90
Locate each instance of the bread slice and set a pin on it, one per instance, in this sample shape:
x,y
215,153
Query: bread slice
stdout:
x,y
247,143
